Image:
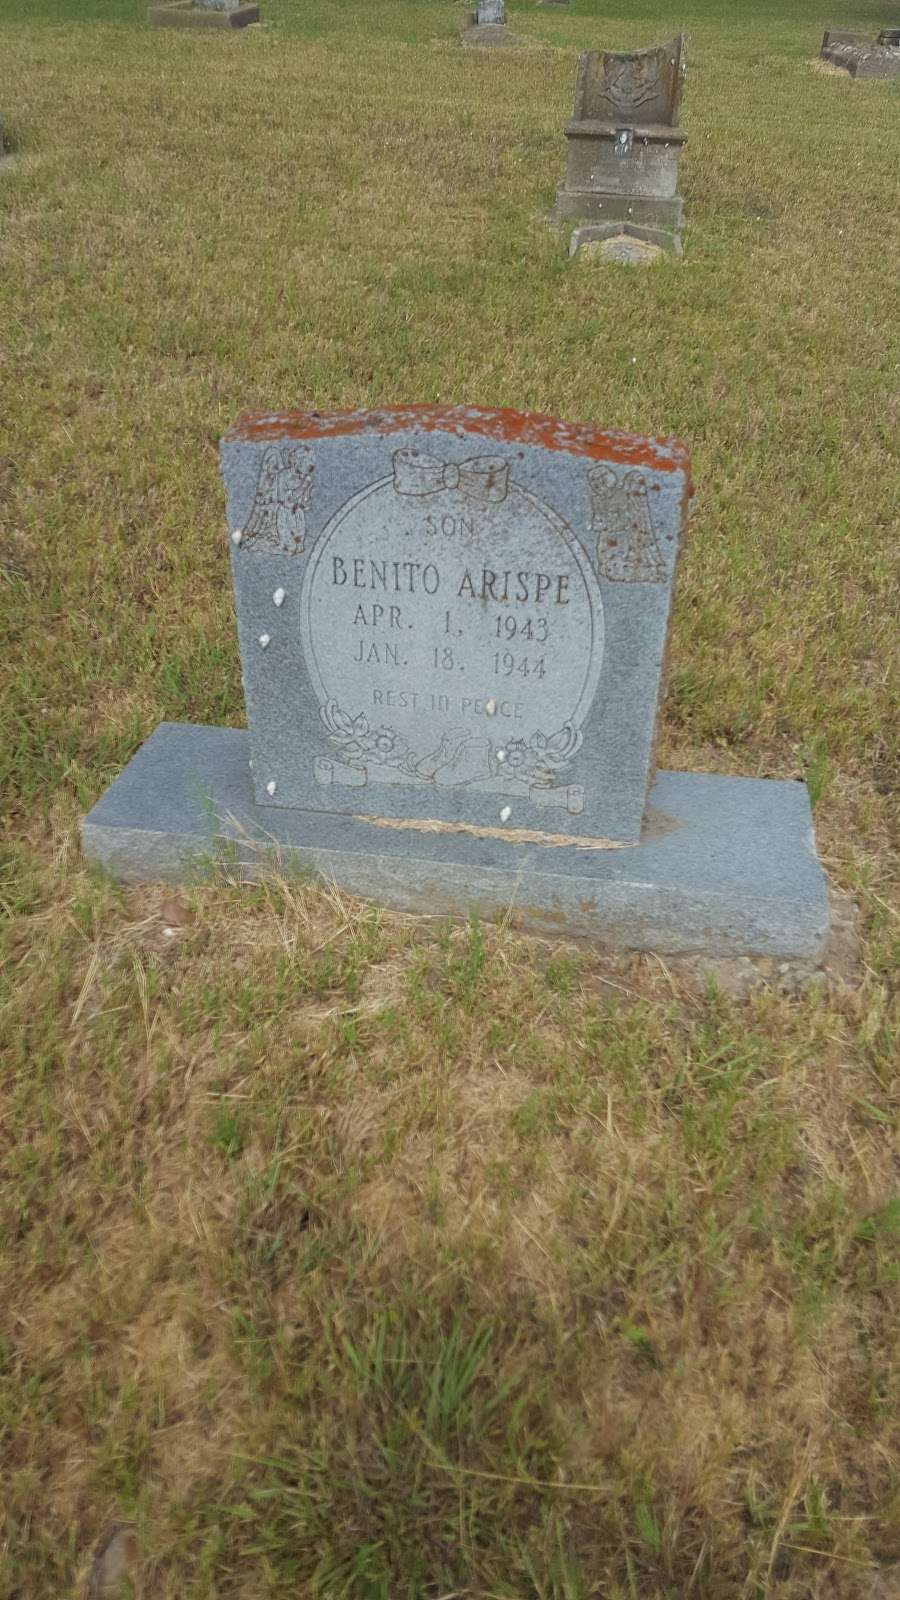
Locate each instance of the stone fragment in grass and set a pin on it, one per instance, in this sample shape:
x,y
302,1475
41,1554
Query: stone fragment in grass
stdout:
x,y
176,913
113,1565
623,247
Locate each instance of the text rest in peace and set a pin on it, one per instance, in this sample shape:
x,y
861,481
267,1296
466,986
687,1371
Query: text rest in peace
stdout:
x,y
403,699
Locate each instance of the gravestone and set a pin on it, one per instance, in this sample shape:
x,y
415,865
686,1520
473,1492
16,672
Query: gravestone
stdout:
x,y
452,627
487,26
202,14
861,56
623,145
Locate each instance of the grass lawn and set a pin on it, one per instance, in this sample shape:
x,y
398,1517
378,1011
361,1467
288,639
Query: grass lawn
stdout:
x,y
344,1254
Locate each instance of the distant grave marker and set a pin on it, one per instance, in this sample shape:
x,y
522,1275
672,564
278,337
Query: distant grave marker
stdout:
x,y
623,146
202,14
487,26
861,56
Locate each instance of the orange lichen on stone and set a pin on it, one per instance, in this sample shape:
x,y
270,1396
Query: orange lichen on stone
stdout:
x,y
509,427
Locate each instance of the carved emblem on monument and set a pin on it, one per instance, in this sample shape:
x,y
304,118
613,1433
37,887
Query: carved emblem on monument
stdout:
x,y
277,521
631,81
627,551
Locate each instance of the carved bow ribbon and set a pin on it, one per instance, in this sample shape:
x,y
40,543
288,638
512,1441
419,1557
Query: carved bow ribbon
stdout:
x,y
483,479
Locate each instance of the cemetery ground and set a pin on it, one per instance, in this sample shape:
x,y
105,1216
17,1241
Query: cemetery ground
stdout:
x,y
345,1254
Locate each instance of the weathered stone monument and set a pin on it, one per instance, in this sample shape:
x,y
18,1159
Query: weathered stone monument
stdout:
x,y
623,146
861,56
452,627
487,26
202,14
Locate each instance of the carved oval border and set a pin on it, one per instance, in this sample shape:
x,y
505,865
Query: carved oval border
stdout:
x,y
560,528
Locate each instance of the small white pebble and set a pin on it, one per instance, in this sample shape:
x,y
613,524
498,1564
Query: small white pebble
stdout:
x,y
491,708
278,597
506,813
634,361
264,641
250,765
237,536
271,786
501,755
168,933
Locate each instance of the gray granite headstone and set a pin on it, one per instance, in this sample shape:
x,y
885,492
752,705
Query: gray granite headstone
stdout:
x,y
453,615
452,627
623,141
490,12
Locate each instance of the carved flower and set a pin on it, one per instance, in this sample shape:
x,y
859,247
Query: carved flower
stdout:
x,y
516,754
385,740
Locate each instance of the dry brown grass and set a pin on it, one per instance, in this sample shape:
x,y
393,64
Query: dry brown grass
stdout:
x,y
343,1254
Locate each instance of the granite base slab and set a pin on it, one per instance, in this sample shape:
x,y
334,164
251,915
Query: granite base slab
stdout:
x,y
725,866
187,15
490,36
643,211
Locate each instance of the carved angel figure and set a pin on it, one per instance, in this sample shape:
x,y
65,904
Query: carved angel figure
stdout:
x,y
627,551
283,491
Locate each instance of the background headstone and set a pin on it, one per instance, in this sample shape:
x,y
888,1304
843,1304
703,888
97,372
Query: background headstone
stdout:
x,y
861,56
623,142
